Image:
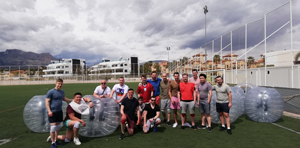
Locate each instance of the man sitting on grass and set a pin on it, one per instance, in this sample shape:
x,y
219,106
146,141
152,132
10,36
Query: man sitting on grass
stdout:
x,y
73,118
151,115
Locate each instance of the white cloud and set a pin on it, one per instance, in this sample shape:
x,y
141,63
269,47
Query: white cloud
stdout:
x,y
94,29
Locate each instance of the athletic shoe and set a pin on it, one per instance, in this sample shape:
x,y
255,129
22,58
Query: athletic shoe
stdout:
x,y
122,137
53,145
229,131
182,128
57,143
168,123
155,129
165,121
175,125
76,141
194,127
187,125
209,129
49,139
222,128
201,127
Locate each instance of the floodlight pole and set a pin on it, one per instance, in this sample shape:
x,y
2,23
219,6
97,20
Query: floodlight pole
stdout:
x,y
168,48
205,11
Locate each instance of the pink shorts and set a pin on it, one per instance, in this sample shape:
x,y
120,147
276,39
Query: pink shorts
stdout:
x,y
175,105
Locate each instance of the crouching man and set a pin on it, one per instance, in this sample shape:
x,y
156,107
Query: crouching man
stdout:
x,y
73,120
151,114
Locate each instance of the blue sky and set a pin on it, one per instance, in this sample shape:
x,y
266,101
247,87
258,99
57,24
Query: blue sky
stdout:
x,y
96,29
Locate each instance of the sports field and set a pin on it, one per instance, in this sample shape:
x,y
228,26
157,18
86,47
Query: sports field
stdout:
x,y
246,133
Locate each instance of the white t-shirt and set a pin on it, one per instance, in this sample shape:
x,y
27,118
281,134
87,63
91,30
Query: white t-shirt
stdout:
x,y
99,90
120,90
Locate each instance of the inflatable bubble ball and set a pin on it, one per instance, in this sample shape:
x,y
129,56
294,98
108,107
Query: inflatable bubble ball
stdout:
x,y
264,105
234,111
103,119
35,114
246,87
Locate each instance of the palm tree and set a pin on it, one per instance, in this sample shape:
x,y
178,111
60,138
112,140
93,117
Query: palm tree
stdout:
x,y
217,58
250,60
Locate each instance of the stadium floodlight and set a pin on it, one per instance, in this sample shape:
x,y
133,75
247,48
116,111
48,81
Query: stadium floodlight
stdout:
x,y
168,48
205,11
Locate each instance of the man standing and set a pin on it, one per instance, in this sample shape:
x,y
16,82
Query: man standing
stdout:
x,y
187,100
203,101
151,116
155,81
165,98
53,104
223,104
195,79
145,90
129,106
173,93
102,91
121,91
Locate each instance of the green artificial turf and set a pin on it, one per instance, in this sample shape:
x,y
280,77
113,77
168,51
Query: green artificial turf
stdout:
x,y
246,133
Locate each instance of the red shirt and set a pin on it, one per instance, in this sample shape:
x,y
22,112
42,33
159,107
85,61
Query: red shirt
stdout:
x,y
145,92
70,110
186,91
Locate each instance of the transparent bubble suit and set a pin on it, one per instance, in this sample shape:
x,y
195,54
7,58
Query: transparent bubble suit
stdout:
x,y
246,87
35,114
104,118
234,111
264,105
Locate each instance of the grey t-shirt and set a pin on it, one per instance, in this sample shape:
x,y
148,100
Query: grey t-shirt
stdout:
x,y
56,97
203,90
222,93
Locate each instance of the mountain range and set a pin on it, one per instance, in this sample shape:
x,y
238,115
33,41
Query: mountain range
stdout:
x,y
14,57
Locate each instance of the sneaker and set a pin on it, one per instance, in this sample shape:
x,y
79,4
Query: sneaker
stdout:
x,y
229,131
122,137
165,121
175,125
209,129
168,123
49,139
155,129
187,125
53,145
194,127
76,141
182,128
201,127
57,143
222,128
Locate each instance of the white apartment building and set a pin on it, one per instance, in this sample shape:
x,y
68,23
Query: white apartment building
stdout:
x,y
281,58
64,68
116,67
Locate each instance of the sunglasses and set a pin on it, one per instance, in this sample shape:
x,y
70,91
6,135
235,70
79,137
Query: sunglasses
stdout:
x,y
103,83
153,100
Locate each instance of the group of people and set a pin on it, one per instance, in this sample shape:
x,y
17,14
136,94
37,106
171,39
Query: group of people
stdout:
x,y
145,110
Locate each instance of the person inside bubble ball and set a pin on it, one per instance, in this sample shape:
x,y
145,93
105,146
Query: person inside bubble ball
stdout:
x,y
73,120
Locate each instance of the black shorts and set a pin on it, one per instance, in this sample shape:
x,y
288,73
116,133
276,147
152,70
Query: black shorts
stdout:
x,y
222,107
56,117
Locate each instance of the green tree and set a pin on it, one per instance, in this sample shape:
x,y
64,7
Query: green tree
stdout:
x,y
217,58
157,67
250,60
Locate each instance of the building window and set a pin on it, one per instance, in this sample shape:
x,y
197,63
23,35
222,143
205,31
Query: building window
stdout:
x,y
57,67
125,70
66,66
125,64
121,65
66,72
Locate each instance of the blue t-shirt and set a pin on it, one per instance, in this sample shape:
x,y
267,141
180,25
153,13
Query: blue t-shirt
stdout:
x,y
56,97
155,85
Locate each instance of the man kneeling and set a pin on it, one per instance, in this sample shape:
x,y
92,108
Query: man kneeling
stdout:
x,y
151,114
73,118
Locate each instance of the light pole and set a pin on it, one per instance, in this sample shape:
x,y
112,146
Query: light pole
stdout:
x,y
168,48
205,11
